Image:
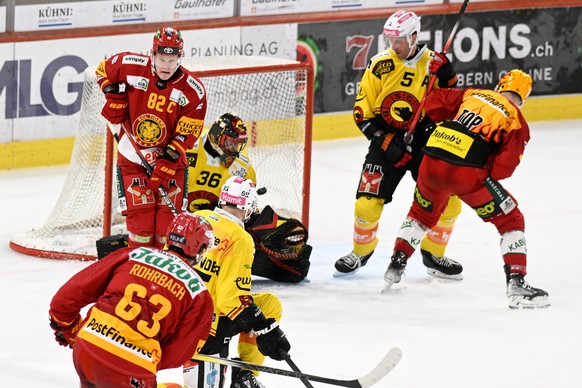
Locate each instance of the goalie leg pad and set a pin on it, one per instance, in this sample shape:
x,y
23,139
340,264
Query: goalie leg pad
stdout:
x,y
282,270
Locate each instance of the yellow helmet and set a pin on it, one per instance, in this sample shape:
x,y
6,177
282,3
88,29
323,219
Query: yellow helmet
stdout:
x,y
515,81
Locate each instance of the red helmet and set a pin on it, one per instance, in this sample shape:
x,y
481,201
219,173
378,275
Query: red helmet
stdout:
x,y
168,40
190,235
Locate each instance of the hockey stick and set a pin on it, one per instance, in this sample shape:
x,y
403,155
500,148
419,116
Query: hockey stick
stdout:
x,y
145,165
408,136
294,366
382,369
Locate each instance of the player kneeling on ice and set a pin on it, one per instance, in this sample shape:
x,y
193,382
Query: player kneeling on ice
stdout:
x,y
226,269
480,140
281,249
151,309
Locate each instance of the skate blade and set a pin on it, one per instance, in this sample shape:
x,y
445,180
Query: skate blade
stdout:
x,y
338,274
519,303
387,287
438,274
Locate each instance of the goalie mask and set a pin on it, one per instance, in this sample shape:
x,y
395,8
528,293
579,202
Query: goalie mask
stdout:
x,y
515,81
240,193
228,137
402,26
167,42
191,236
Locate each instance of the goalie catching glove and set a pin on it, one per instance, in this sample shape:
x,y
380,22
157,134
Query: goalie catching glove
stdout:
x,y
65,332
281,249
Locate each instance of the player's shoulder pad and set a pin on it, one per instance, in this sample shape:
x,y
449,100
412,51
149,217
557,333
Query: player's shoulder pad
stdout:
x,y
133,59
196,85
381,64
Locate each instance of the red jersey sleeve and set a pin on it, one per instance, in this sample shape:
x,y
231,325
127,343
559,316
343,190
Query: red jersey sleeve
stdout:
x,y
443,104
86,286
511,151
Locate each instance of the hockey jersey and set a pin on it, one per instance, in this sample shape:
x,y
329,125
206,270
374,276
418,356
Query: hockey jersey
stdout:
x,y
207,175
226,269
160,112
391,88
484,116
150,312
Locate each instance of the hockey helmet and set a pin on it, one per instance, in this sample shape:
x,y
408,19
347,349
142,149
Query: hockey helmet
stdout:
x,y
190,235
516,81
228,137
168,40
401,24
240,193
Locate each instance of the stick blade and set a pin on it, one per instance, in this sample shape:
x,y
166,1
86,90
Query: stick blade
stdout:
x,y
390,360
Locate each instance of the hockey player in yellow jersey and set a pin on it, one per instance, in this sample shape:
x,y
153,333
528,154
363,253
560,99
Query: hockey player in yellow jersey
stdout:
x,y
217,155
226,271
390,93
221,153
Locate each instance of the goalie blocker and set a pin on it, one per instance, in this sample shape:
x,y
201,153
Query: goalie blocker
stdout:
x,y
281,249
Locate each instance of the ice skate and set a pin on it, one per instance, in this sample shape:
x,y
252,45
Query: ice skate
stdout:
x,y
350,264
442,267
523,296
395,270
244,379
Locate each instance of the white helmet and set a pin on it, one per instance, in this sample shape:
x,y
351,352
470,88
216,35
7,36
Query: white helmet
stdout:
x,y
241,193
402,24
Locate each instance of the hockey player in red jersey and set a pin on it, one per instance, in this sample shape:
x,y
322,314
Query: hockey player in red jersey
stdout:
x,y
150,312
389,96
226,269
480,140
161,106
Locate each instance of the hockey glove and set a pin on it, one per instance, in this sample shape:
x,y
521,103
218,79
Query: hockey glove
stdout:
x,y
443,69
166,168
164,171
115,109
271,340
65,334
398,153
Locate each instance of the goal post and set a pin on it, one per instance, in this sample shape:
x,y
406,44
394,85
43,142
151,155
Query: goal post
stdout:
x,y
273,96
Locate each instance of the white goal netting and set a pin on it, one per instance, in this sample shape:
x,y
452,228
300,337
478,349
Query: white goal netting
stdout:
x,y
272,96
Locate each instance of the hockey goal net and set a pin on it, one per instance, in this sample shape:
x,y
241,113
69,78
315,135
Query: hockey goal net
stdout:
x,y
272,96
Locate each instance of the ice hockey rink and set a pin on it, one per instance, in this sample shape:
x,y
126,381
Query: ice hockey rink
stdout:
x,y
453,334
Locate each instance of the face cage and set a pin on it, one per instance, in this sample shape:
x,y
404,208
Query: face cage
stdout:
x,y
230,148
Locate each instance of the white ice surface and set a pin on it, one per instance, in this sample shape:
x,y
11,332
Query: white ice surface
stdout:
x,y
453,334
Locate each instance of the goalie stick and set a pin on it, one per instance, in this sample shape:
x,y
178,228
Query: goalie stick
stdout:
x,y
382,369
